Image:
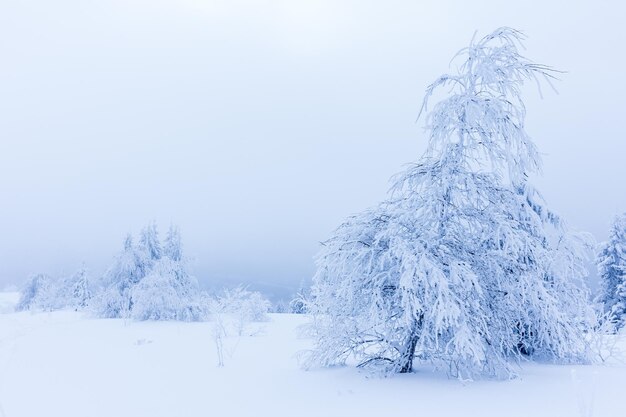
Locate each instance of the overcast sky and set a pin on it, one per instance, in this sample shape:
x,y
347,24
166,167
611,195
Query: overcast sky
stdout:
x,y
257,126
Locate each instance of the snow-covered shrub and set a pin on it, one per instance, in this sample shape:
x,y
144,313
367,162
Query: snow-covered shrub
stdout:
x,y
298,305
249,305
611,263
463,266
242,306
37,294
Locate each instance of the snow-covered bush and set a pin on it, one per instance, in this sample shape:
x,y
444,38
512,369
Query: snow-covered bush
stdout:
x,y
249,305
37,294
611,263
463,266
298,305
242,306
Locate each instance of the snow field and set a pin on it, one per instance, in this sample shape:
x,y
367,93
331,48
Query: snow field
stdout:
x,y
67,364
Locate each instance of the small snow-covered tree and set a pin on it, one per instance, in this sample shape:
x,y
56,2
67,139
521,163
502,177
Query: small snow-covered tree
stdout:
x,y
298,305
280,307
129,267
74,291
611,263
168,292
37,294
149,242
172,247
47,294
464,265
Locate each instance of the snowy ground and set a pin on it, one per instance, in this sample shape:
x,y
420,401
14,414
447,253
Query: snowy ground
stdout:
x,y
64,364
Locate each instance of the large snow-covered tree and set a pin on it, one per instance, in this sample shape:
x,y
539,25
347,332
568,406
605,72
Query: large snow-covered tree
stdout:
x,y
611,263
463,265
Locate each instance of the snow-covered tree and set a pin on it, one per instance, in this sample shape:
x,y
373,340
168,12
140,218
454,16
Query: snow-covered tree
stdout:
x,y
37,294
129,267
149,242
150,282
298,305
463,266
74,291
611,262
280,307
172,247
47,294
168,292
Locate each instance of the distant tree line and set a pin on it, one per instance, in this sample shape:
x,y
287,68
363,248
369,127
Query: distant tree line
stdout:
x,y
147,280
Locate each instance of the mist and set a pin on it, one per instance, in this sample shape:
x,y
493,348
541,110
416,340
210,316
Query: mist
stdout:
x,y
257,126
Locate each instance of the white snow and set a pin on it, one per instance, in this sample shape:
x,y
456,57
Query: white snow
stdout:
x,y
8,300
66,364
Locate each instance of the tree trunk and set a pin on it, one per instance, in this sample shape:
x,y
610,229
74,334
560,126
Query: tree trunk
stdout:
x,y
408,353
406,360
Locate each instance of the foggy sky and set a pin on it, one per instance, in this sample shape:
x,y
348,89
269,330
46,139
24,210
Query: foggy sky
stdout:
x,y
257,126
